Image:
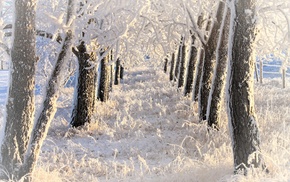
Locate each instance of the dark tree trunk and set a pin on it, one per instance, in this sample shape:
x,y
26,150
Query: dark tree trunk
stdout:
x,y
191,68
111,78
171,75
243,123
117,72
198,75
210,49
200,61
111,72
121,72
217,89
165,65
182,64
20,103
85,98
103,90
177,65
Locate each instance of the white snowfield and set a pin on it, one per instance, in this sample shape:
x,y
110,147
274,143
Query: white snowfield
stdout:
x,y
149,132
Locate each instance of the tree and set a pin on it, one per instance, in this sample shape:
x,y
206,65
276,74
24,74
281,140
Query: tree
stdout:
x,y
20,105
171,73
178,60
104,83
182,63
85,100
242,119
217,89
117,72
210,50
191,67
165,65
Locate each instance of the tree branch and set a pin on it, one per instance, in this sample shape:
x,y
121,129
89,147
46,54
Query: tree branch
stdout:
x,y
196,29
40,33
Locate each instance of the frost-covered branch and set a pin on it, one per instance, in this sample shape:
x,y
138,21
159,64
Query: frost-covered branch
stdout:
x,y
196,29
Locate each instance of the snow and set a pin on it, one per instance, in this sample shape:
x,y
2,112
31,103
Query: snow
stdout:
x,y
148,131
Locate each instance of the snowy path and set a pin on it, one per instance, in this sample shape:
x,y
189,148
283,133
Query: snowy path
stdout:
x,y
144,132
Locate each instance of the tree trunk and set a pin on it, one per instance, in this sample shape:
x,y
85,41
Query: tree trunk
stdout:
x,y
200,61
20,105
165,65
121,72
103,90
210,50
171,75
117,72
49,108
217,89
182,64
243,123
85,96
198,75
191,68
177,65
111,72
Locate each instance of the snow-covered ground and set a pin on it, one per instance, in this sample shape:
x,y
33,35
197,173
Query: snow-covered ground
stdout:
x,y
149,132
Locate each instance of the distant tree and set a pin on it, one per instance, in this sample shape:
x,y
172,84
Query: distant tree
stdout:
x,y
177,65
243,122
172,63
122,69
104,83
191,67
165,65
182,63
117,72
111,70
200,61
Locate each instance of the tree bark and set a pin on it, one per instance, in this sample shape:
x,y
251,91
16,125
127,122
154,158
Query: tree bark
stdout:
x,y
243,123
103,90
182,64
210,50
217,89
165,65
117,72
191,68
198,75
171,75
111,71
121,72
20,105
85,98
177,65
200,61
